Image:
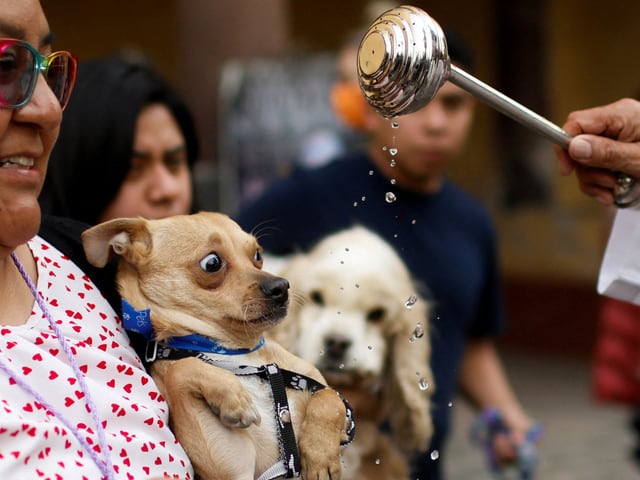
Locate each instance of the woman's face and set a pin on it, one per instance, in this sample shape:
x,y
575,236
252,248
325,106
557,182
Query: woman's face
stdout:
x,y
158,184
27,134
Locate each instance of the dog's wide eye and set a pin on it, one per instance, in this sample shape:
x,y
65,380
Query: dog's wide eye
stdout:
x,y
211,263
257,257
376,314
316,297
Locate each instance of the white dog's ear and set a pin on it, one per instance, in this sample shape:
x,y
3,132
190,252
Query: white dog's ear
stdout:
x,y
127,237
411,379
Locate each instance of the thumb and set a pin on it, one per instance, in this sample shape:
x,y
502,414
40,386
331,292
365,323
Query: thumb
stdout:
x,y
603,152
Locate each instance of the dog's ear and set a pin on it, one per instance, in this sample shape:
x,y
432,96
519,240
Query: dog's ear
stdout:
x,y
128,237
411,383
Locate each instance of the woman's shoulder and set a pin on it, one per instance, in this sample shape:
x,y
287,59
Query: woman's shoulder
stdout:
x,y
65,234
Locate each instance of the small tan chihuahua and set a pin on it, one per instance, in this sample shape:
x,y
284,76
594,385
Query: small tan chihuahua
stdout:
x,y
243,407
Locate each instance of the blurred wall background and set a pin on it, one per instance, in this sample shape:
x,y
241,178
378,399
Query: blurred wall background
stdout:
x,y
553,56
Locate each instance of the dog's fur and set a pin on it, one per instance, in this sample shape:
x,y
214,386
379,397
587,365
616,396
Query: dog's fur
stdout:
x,y
348,317
226,423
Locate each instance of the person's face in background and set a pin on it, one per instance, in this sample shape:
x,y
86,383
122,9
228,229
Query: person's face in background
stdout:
x,y
427,141
158,184
27,134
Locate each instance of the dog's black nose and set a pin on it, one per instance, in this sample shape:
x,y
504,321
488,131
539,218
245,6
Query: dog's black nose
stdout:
x,y
276,289
336,346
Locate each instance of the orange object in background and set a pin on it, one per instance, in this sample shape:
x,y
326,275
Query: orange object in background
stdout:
x,y
349,104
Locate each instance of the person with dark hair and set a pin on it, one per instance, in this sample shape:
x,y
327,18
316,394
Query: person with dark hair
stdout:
x,y
126,147
397,186
76,399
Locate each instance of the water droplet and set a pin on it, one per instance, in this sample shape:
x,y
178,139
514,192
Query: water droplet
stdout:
x,y
370,347
355,204
384,149
450,404
357,285
393,151
390,197
341,366
363,198
371,172
413,222
395,125
423,384
393,163
346,249
377,461
418,332
392,181
411,301
435,455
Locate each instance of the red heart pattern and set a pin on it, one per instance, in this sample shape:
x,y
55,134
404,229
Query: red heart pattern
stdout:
x,y
129,404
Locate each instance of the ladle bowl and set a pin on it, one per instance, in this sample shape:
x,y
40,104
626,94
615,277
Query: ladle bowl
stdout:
x,y
403,61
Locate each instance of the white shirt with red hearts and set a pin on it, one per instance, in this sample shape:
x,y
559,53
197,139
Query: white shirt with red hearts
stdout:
x,y
33,442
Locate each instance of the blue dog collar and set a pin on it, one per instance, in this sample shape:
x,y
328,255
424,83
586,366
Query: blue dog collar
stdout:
x,y
200,343
139,321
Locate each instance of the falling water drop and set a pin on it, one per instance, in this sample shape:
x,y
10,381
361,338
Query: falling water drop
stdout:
x,y
423,384
377,462
390,197
411,301
393,163
435,454
418,332
395,125
392,181
393,151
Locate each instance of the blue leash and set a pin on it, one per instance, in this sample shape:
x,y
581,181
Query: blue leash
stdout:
x,y
483,432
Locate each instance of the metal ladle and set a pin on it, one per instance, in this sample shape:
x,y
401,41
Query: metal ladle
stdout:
x,y
403,61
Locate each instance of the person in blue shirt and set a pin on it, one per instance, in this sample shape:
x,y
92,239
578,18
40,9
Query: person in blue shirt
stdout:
x,y
398,187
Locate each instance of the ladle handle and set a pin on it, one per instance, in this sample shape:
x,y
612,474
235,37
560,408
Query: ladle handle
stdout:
x,y
509,107
627,190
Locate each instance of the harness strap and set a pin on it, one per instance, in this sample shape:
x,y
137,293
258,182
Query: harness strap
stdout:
x,y
288,446
279,379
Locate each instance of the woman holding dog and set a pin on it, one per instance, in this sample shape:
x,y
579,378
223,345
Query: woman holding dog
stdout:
x,y
75,400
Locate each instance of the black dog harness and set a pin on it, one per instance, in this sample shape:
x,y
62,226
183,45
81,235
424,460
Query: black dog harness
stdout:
x,y
279,380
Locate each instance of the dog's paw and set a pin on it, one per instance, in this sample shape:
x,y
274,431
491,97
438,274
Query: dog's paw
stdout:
x,y
317,466
237,410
